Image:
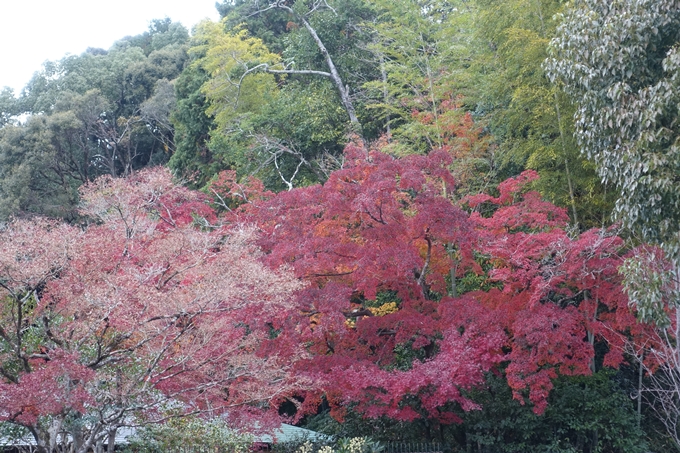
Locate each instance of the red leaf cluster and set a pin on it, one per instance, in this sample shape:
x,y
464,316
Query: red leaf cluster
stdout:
x,y
384,227
560,294
54,386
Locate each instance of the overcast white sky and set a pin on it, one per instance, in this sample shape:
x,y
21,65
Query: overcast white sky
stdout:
x,y
32,31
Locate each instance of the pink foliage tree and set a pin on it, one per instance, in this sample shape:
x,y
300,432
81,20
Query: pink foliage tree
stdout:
x,y
152,307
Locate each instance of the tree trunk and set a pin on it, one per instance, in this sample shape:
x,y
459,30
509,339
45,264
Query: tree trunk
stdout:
x,y
386,97
454,271
111,445
570,185
343,90
46,439
77,434
639,392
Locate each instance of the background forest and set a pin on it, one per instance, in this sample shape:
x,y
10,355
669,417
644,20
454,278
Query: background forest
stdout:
x,y
415,220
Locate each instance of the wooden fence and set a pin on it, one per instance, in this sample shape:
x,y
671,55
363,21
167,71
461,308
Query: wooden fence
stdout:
x,y
415,447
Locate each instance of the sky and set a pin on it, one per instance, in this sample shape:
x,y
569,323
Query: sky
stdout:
x,y
33,31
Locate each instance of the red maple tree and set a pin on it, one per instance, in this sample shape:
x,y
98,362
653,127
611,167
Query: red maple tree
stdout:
x,y
558,294
378,242
385,251
365,299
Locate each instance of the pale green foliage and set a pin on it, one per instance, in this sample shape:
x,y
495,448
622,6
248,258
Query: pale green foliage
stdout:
x,y
652,285
358,445
190,434
307,447
619,61
418,45
350,445
531,120
229,56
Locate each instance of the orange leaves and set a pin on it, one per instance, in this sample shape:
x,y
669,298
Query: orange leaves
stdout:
x,y
326,228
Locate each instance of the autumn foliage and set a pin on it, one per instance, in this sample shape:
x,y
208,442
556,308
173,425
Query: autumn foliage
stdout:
x,y
375,291
146,309
393,324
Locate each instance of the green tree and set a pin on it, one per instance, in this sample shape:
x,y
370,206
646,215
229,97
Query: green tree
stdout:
x,y
34,177
104,111
619,62
284,125
189,434
271,28
192,157
295,139
161,33
286,116
529,118
584,414
8,106
324,44
230,57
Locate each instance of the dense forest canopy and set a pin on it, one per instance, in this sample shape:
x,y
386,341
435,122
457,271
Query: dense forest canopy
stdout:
x,y
418,220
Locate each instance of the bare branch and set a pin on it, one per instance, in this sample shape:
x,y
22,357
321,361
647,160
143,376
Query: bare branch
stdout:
x,y
343,89
421,277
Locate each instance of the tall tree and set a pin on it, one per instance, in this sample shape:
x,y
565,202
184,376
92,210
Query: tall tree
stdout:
x,y
529,117
303,14
286,130
621,73
192,157
421,48
43,162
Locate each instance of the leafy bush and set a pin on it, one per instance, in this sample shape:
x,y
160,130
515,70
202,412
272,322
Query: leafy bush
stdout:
x,y
189,434
345,445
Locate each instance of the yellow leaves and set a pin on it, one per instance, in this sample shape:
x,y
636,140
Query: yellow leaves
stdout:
x,y
384,309
411,212
229,50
